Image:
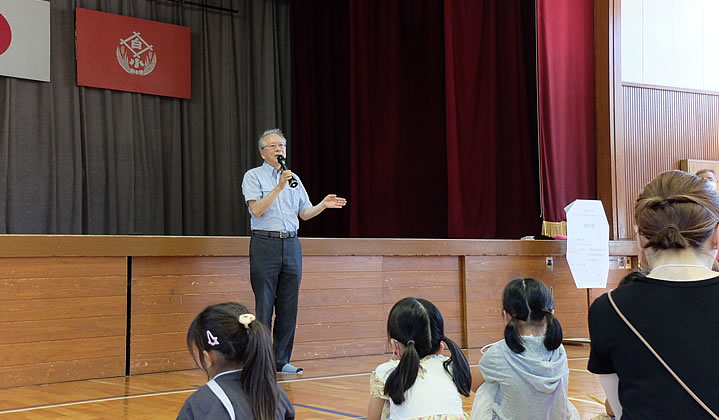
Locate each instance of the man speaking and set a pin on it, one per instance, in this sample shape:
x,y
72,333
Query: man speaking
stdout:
x,y
275,197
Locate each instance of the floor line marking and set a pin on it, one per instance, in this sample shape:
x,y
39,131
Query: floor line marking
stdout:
x,y
97,400
327,410
580,370
316,378
585,401
97,381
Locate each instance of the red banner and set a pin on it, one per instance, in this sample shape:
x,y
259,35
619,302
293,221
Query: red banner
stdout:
x,y
130,54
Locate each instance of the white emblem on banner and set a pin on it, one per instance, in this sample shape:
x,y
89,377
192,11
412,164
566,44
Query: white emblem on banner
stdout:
x,y
141,59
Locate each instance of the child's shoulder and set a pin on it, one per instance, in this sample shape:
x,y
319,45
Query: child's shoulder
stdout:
x,y
201,404
434,359
386,368
494,349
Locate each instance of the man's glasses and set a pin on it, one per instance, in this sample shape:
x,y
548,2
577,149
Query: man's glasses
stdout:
x,y
274,146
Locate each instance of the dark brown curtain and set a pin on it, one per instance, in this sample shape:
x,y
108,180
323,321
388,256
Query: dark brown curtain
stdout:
x,y
93,161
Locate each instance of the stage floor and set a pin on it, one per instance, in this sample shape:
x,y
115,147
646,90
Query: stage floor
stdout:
x,y
335,388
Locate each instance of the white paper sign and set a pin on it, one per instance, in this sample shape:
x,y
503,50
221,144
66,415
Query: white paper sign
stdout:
x,y
588,243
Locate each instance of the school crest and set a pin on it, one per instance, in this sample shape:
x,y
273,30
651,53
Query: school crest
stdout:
x,y
130,54
136,56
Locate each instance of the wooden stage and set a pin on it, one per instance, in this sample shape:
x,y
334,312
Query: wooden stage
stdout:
x,y
96,307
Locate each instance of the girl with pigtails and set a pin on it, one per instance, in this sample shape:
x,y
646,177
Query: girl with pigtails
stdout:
x,y
526,375
420,382
235,351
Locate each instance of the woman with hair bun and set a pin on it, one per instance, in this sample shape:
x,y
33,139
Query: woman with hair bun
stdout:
x,y
654,340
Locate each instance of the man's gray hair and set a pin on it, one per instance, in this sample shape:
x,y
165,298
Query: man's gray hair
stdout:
x,y
261,142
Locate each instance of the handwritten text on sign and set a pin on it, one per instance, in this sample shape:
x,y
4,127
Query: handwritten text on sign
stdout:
x,y
588,243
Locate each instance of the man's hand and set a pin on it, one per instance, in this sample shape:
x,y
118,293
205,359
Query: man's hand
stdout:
x,y
284,179
329,202
259,207
333,202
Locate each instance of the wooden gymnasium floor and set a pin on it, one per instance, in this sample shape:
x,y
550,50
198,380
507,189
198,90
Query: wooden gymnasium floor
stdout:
x,y
330,389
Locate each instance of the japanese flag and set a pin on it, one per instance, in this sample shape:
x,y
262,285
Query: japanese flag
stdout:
x,y
25,39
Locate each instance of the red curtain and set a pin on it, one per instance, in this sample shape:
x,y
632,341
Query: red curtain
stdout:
x,y
432,103
397,119
491,114
566,103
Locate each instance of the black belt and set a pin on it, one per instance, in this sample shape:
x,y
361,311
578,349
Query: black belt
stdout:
x,y
273,234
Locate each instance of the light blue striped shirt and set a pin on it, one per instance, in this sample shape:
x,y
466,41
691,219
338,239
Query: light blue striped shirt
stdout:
x,y
281,216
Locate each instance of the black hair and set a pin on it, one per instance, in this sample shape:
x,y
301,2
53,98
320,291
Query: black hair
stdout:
x,y
530,300
419,325
250,347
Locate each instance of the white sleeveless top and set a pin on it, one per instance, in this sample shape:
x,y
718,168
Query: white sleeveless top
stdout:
x,y
433,394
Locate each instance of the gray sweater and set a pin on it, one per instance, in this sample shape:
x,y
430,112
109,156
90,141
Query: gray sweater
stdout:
x,y
531,385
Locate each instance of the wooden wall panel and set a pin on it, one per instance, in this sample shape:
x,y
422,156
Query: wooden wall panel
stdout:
x,y
62,371
165,361
660,128
340,310
44,246
345,301
339,348
604,109
570,303
74,308
339,313
437,279
61,267
167,293
57,350
62,319
19,332
61,308
487,276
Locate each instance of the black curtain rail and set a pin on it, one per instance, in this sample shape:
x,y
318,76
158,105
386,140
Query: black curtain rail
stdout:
x,y
205,5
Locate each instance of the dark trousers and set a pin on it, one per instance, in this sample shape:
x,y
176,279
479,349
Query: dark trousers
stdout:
x,y
275,274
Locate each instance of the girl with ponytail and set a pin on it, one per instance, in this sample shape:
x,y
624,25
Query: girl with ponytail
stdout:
x,y
526,375
235,351
419,382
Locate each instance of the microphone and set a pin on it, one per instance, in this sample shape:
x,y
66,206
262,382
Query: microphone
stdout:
x,y
281,160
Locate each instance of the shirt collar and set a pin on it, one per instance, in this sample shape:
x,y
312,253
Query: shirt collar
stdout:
x,y
269,169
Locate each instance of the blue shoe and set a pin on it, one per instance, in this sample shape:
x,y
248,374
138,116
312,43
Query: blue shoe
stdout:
x,y
288,368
